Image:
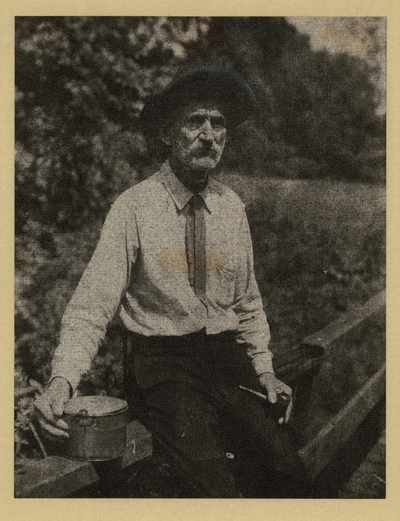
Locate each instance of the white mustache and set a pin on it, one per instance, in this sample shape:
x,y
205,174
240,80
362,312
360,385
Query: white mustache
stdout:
x,y
205,150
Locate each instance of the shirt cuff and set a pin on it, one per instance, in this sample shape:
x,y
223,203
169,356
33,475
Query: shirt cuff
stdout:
x,y
57,376
71,376
262,363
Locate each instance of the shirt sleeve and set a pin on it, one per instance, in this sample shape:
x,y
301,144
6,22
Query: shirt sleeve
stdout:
x,y
253,330
98,295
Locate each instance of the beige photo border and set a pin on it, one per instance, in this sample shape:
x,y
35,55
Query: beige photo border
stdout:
x,y
197,509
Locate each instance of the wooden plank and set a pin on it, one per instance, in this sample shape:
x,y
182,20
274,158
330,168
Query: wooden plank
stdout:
x,y
320,451
58,477
348,321
369,480
53,476
295,363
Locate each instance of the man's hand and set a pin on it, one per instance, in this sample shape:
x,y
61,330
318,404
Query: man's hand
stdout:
x,y
50,407
275,388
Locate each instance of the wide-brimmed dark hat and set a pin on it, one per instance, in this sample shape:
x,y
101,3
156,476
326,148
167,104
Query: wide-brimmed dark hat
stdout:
x,y
223,86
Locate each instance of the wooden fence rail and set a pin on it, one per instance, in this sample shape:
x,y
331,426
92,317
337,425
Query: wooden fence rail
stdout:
x,y
56,476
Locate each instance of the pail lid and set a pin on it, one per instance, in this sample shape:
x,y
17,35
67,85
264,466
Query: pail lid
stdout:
x,y
95,405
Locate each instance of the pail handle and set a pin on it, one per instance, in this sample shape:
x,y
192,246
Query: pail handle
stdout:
x,y
83,418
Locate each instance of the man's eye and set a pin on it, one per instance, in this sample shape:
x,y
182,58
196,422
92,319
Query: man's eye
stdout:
x,y
195,122
218,123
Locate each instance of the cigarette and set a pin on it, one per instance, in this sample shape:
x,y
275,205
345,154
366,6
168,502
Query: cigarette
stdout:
x,y
256,393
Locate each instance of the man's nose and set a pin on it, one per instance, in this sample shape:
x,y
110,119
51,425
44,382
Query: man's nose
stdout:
x,y
206,134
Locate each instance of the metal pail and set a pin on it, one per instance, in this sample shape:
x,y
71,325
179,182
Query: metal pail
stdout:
x,y
97,428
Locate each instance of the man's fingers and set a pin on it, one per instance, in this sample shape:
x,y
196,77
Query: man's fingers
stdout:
x,y
268,382
285,394
44,408
284,389
53,422
61,424
288,411
53,427
271,391
52,432
49,408
58,407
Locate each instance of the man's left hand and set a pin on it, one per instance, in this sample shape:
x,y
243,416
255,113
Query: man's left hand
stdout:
x,y
275,388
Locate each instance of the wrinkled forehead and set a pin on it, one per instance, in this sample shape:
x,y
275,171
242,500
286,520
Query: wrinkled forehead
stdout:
x,y
181,111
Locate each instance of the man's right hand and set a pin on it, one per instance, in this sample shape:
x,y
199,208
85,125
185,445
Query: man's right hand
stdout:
x,y
50,407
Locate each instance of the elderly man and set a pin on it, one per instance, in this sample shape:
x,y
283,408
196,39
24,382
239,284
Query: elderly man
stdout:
x,y
175,262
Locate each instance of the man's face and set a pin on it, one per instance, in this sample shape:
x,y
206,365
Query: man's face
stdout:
x,y
197,136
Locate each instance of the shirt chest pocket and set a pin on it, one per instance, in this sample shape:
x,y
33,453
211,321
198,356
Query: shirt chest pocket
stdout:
x,y
225,287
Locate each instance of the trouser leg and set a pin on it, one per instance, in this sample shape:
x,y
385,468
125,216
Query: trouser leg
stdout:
x,y
186,423
269,463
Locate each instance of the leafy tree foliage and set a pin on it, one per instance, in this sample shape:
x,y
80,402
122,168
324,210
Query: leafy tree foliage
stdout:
x,y
317,112
81,83
327,108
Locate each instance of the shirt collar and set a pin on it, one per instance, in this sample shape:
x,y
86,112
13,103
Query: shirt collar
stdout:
x,y
182,195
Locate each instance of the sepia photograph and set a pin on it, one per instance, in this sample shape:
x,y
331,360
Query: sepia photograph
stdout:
x,y
200,257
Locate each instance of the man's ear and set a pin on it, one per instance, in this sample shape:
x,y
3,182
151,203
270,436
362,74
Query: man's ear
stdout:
x,y
165,136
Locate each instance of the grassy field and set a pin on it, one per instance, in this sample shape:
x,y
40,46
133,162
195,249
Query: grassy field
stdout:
x,y
319,247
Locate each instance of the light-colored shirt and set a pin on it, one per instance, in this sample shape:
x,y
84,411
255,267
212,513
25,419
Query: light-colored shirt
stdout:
x,y
139,270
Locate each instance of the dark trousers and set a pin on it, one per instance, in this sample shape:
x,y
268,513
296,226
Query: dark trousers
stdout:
x,y
191,401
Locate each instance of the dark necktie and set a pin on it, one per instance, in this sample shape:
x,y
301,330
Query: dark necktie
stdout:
x,y
196,246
